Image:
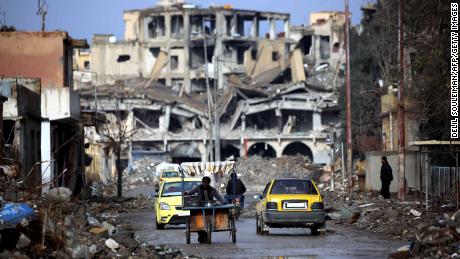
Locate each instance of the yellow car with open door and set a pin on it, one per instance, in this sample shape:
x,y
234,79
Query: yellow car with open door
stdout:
x,y
287,203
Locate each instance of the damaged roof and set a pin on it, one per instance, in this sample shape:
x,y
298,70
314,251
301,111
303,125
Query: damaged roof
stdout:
x,y
156,93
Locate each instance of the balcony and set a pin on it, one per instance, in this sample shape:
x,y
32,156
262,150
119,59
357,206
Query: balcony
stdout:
x,y
60,104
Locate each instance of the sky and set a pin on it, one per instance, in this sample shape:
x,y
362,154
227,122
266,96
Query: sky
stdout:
x,y
83,18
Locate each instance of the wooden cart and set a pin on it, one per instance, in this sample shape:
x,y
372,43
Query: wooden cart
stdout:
x,y
210,219
214,218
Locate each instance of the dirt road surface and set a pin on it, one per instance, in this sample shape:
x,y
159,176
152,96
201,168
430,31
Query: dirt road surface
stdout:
x,y
337,242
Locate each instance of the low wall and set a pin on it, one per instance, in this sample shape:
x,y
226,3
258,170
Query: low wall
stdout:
x,y
415,176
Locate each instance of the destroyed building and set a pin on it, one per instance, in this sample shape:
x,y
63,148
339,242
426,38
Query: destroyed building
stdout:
x,y
154,83
167,43
322,47
21,128
54,116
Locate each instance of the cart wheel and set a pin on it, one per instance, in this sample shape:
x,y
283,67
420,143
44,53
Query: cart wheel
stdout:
x,y
233,230
208,233
187,232
258,225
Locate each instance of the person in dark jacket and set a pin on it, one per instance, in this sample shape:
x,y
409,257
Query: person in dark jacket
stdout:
x,y
235,188
205,191
386,176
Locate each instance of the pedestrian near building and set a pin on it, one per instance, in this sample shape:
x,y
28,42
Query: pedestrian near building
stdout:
x,y
386,176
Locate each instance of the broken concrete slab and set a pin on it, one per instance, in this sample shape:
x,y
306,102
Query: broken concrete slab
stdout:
x,y
58,195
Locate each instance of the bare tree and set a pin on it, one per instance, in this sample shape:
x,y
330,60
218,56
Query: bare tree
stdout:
x,y
118,133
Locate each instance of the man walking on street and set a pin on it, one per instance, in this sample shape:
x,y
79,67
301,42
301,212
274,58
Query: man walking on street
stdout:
x,y
386,176
235,189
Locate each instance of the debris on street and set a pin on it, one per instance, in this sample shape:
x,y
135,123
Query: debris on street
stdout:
x,y
74,229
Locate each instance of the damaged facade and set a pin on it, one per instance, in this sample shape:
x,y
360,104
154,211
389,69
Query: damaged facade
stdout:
x,y
270,100
21,129
48,57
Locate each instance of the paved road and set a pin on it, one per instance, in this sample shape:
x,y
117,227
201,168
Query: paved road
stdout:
x,y
338,242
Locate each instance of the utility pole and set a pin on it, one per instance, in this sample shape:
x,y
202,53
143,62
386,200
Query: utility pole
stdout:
x,y
216,113
348,98
401,126
208,90
217,50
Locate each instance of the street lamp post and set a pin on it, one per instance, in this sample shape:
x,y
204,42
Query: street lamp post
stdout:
x,y
208,90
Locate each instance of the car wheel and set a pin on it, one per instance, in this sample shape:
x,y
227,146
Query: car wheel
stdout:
x,y
160,226
314,231
262,226
258,229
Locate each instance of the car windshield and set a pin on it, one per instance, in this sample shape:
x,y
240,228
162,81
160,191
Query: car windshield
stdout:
x,y
170,174
175,188
293,186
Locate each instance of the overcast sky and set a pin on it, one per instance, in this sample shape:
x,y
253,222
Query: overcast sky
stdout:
x,y
83,18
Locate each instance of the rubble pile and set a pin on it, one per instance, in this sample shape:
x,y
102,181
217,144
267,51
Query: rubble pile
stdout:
x,y
369,211
256,171
141,172
439,238
57,226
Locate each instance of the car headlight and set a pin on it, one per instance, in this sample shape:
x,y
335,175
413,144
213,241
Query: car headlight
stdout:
x,y
272,206
317,206
164,206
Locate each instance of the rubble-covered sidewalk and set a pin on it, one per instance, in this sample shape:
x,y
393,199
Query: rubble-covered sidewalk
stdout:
x,y
59,226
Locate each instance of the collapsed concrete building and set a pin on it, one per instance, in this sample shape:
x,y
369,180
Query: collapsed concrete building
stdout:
x,y
269,100
167,43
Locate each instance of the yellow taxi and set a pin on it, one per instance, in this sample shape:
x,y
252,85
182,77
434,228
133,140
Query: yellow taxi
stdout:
x,y
165,175
168,202
287,203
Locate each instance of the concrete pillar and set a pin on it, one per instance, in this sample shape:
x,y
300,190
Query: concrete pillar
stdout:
x,y
287,28
145,36
233,30
202,148
187,82
167,26
47,168
243,122
255,27
316,120
279,119
130,122
272,29
316,48
218,49
278,149
167,118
